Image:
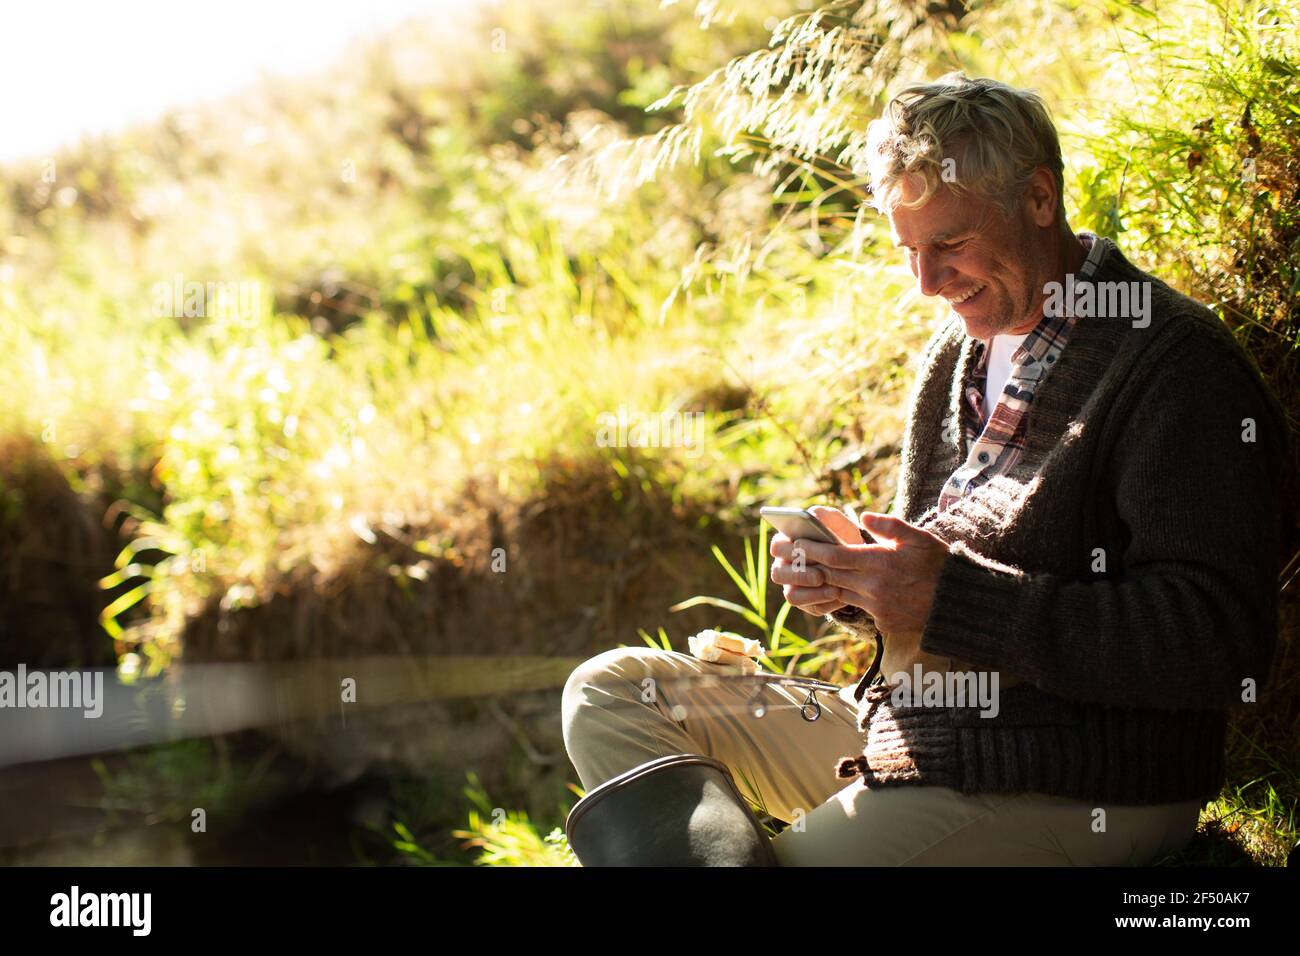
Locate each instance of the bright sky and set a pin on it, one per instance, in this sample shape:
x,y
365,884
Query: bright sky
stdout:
x,y
90,65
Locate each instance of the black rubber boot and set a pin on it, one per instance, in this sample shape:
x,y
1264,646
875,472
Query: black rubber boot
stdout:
x,y
681,810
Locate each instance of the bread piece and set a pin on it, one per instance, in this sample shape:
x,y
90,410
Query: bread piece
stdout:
x,y
718,648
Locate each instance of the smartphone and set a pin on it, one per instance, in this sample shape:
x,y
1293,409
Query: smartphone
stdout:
x,y
798,523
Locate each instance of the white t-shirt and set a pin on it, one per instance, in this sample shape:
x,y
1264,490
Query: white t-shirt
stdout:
x,y
999,368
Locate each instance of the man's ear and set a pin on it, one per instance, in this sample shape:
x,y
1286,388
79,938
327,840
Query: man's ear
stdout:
x,y
1041,198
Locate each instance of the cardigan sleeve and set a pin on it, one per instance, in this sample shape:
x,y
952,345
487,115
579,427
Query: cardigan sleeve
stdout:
x,y
1186,617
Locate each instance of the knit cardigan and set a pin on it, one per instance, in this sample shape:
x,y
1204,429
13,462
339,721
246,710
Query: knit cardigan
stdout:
x,y
1121,578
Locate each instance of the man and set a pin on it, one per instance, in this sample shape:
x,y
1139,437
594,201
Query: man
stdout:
x,y
1086,524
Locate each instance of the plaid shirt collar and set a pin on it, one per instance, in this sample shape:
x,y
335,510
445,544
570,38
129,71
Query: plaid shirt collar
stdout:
x,y
995,446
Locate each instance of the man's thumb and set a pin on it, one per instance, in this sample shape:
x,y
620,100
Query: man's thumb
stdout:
x,y
887,527
838,523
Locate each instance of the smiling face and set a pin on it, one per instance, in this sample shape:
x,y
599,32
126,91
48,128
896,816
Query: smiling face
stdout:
x,y
989,269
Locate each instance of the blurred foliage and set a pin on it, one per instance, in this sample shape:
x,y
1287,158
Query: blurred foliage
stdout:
x,y
165,784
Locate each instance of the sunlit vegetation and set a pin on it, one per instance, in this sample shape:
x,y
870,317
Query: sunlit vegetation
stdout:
x,y
281,372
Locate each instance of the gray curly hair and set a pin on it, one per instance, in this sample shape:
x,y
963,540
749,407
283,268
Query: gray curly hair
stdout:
x,y
977,136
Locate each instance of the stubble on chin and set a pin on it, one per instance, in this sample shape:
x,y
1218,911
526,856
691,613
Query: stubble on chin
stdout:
x,y
1004,322
982,327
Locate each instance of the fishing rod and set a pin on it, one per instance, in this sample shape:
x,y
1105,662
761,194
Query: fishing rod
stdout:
x,y
810,709
188,700
210,699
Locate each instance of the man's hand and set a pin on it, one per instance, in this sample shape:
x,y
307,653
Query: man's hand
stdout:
x,y
894,581
804,586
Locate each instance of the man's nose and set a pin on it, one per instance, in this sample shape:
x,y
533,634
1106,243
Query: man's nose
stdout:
x,y
931,272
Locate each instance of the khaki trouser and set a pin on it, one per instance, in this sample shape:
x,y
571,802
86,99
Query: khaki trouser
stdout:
x,y
633,704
